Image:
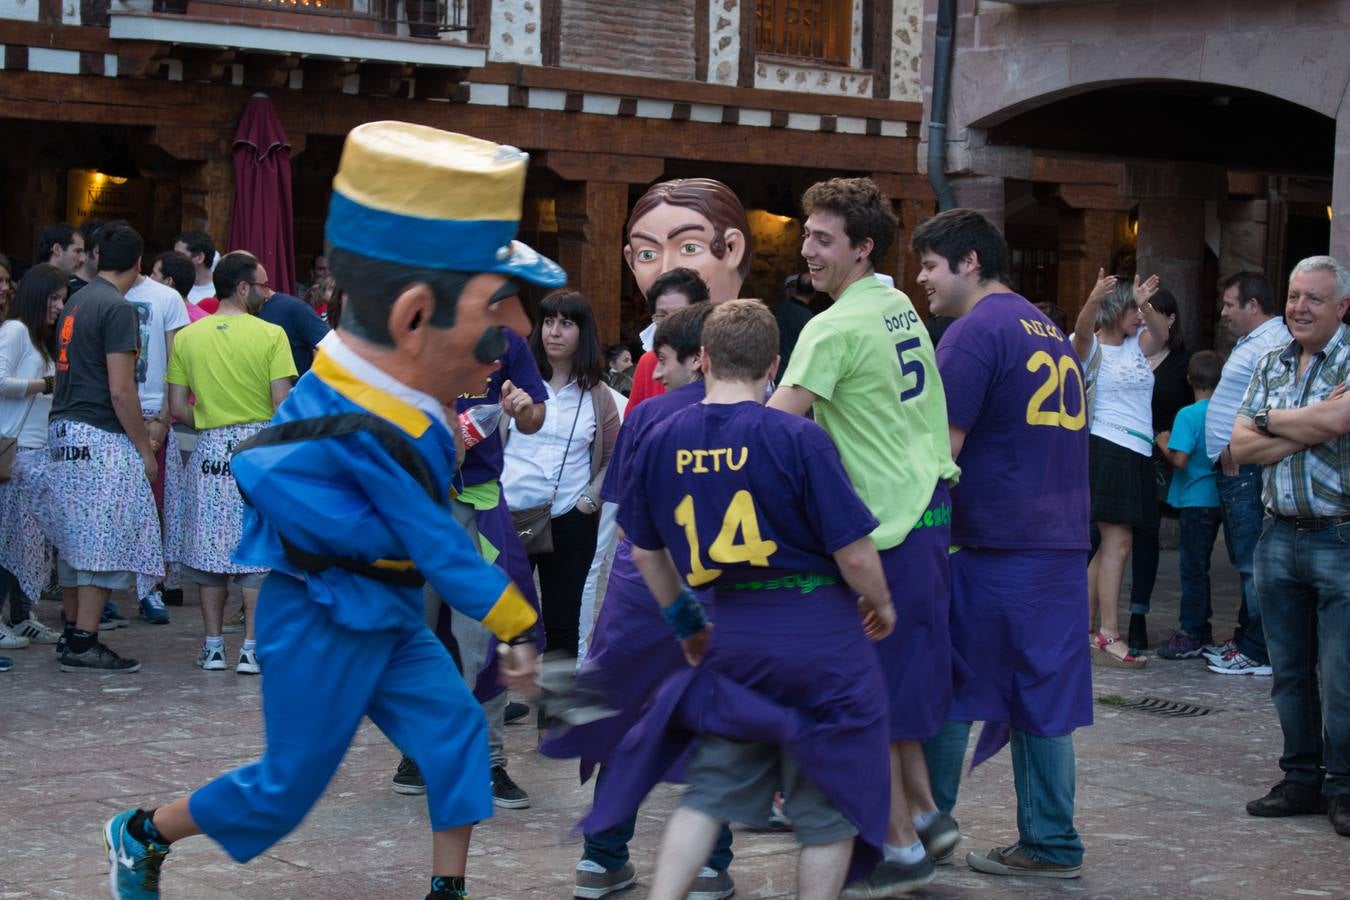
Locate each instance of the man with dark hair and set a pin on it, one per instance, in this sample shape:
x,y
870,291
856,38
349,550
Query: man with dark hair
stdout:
x,y
341,616
176,270
693,223
101,507
792,313
62,245
1294,422
88,271
1253,314
865,367
630,652
304,329
756,506
198,247
672,290
1017,413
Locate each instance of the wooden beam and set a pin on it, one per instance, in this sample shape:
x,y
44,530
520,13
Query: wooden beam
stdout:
x,y
591,217
610,167
207,65
140,59
550,32
326,74
47,97
702,31
649,88
1076,171
877,34
745,70
269,71
190,143
60,37
383,79
1093,196
16,58
440,83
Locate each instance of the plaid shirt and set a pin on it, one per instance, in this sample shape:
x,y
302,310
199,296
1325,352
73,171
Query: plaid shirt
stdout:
x,y
1312,482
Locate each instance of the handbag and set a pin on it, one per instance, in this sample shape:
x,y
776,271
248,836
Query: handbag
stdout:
x,y
534,524
9,446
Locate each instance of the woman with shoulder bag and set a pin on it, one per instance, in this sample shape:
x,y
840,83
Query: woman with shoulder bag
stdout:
x,y
1108,337
552,477
27,376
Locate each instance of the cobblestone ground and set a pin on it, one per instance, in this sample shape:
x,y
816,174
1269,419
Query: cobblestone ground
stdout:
x,y
1160,800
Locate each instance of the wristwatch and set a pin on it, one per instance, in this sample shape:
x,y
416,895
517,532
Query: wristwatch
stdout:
x,y
1262,420
587,497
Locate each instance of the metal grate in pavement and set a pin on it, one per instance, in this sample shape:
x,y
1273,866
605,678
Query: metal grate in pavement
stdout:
x,y
1155,706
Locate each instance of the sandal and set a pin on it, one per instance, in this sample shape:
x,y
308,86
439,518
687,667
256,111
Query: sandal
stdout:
x,y
1102,656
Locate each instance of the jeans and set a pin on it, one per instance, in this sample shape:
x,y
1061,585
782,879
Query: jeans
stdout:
x,y
1303,575
1240,495
609,848
1199,528
20,607
1044,774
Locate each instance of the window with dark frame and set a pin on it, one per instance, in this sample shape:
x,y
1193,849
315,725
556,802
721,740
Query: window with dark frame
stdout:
x,y
817,30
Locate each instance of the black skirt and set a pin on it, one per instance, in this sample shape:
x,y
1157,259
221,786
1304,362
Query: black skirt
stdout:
x,y
1123,484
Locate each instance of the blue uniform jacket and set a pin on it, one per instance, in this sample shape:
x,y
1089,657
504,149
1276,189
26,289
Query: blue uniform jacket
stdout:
x,y
347,497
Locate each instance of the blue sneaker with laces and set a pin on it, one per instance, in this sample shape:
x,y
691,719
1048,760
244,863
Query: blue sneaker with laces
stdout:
x,y
133,867
152,609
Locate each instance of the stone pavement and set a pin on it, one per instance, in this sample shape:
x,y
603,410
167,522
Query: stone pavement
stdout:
x,y
1160,800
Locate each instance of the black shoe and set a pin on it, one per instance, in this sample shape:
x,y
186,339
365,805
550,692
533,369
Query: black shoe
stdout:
x,y
1339,813
1138,634
891,879
172,596
1288,798
408,778
514,712
98,658
941,836
505,792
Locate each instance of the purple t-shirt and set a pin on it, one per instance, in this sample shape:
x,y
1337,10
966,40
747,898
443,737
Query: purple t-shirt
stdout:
x,y
483,461
635,426
739,491
1015,387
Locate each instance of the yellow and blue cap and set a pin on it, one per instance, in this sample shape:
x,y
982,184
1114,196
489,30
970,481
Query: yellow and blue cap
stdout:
x,y
419,196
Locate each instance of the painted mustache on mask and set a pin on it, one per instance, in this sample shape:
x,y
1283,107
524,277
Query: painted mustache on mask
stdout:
x,y
490,346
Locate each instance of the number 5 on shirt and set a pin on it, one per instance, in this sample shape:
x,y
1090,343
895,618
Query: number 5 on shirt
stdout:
x,y
910,367
739,517
1057,377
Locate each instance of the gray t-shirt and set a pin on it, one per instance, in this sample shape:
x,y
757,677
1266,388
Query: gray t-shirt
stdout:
x,y
97,321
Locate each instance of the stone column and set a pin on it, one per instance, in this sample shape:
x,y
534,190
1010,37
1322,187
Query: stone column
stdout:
x,y
591,216
1340,189
984,193
1087,242
1171,245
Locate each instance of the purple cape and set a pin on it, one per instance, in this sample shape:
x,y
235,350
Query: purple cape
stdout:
x,y
782,668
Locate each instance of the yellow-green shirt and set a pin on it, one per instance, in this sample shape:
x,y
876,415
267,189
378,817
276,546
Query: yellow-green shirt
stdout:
x,y
869,361
230,362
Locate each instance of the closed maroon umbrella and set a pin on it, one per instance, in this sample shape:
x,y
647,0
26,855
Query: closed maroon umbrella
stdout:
x,y
262,222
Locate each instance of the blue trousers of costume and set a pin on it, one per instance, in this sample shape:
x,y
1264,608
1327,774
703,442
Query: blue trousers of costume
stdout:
x,y
319,681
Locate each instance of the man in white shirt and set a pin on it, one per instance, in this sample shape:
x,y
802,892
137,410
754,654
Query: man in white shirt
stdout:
x,y
199,247
1253,312
161,313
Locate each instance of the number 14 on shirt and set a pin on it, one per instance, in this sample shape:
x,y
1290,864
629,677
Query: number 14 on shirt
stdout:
x,y
740,517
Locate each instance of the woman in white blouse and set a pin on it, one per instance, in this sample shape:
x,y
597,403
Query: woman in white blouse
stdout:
x,y
27,374
564,462
1108,337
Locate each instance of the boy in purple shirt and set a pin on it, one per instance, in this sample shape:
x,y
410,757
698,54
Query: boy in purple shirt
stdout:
x,y
755,504
1015,401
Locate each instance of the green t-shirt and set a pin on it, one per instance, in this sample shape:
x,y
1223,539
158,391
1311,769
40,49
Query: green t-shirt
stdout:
x,y
870,362
230,362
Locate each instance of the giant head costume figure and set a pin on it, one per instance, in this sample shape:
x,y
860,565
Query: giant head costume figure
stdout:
x,y
697,223
421,237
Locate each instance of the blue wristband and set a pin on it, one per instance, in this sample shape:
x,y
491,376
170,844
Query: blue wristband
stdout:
x,y
685,615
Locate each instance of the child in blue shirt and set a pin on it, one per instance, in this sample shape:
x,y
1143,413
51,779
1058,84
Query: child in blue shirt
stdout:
x,y
1195,494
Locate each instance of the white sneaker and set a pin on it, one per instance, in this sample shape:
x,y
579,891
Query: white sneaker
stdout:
x,y
211,659
1238,663
35,631
248,663
11,641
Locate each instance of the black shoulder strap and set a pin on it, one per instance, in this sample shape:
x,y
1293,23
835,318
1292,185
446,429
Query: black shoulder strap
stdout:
x,y
391,439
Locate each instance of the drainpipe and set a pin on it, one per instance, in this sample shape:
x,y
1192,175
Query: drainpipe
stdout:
x,y
937,122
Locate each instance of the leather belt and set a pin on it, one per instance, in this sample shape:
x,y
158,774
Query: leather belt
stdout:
x,y
1310,523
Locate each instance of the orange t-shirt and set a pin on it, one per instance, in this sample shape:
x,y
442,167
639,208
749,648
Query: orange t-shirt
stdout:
x,y
644,385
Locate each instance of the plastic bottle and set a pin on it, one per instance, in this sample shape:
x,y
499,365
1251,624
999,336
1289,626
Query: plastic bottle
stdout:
x,y
477,423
